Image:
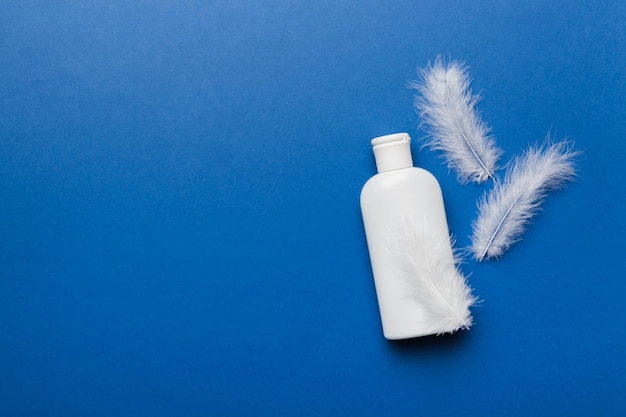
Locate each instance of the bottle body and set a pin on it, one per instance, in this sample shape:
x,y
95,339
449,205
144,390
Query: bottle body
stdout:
x,y
398,202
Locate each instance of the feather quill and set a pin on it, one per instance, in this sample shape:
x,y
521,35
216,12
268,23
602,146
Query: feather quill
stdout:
x,y
447,108
504,213
428,267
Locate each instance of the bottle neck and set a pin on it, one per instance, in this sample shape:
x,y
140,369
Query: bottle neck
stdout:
x,y
392,152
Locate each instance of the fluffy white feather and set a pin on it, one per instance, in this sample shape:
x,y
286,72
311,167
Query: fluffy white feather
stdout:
x,y
446,107
504,212
428,269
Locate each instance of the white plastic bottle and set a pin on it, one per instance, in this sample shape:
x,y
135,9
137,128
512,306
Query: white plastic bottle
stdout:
x,y
404,218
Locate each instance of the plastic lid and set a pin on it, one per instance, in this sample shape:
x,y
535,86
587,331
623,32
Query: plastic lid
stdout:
x,y
392,152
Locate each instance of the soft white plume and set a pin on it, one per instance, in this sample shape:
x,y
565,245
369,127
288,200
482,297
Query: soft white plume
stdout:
x,y
429,271
504,212
447,107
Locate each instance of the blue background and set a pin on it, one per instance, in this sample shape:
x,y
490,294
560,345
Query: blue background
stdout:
x,y
180,231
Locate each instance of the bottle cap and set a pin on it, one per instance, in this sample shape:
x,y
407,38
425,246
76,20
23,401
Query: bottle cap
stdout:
x,y
392,152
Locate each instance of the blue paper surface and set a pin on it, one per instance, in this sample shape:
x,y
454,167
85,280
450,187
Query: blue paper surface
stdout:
x,y
180,230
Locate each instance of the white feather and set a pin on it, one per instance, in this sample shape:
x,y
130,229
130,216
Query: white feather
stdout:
x,y
428,269
447,107
504,212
